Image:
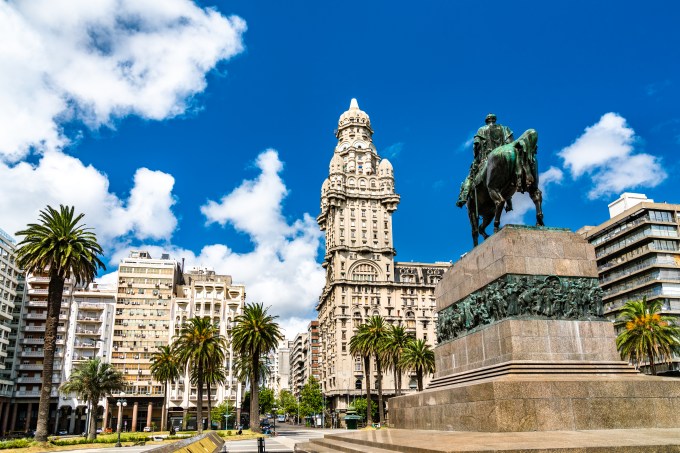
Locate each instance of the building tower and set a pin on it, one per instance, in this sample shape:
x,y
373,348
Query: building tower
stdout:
x,y
357,202
638,255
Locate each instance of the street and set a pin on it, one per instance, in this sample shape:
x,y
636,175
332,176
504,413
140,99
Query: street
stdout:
x,y
285,440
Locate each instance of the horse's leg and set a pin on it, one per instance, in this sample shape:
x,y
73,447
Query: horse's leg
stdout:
x,y
474,222
486,220
499,201
537,197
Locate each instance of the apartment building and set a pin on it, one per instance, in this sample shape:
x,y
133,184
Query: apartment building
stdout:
x,y
146,287
205,294
91,318
283,366
638,255
298,363
10,291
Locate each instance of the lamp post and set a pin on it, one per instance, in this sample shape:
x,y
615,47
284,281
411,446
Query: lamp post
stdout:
x,y
298,417
121,403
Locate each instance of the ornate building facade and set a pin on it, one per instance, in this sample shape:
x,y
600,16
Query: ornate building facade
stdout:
x,y
358,200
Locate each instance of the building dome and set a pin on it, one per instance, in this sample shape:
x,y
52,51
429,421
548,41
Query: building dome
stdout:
x,y
385,169
354,117
325,186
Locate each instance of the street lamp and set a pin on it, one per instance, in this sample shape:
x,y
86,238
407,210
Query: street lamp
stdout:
x,y
121,403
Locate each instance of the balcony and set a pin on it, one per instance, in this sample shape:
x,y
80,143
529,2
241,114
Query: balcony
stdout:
x,y
89,319
88,332
35,328
42,316
37,303
33,340
79,358
31,353
85,345
33,393
30,366
34,380
86,306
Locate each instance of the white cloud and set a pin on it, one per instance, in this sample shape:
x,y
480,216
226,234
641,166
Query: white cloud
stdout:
x,y
61,179
95,62
605,152
281,270
522,203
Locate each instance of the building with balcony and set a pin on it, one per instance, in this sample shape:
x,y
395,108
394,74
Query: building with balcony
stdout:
x,y
91,318
358,200
146,287
299,373
27,369
205,294
638,255
11,290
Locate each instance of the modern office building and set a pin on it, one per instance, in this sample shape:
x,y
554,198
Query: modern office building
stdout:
x,y
358,200
638,255
205,294
146,287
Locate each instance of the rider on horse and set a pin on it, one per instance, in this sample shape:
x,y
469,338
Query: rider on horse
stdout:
x,y
488,138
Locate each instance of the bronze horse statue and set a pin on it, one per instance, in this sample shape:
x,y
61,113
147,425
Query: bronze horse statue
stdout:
x,y
508,169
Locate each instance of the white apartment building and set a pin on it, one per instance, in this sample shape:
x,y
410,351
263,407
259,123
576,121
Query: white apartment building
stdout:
x,y
9,291
203,293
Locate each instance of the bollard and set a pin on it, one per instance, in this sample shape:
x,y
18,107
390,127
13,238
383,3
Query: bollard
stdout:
x,y
260,445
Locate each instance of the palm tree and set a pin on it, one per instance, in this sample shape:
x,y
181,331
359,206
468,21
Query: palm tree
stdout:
x,y
64,249
254,335
164,368
370,341
418,356
397,339
199,343
91,381
647,334
215,373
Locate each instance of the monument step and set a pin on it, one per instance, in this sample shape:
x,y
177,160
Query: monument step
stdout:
x,y
421,441
332,444
534,367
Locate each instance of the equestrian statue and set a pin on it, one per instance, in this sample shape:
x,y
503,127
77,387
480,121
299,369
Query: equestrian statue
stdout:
x,y
501,167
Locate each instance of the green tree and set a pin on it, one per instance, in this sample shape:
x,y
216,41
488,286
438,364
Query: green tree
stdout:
x,y
198,345
91,381
266,400
647,335
164,368
215,373
311,398
287,403
220,411
396,341
370,341
361,406
419,357
62,248
254,335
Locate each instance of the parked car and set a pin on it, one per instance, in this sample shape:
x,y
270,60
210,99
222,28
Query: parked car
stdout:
x,y
147,429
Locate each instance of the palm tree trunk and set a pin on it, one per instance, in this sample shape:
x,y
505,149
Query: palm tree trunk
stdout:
x,y
199,404
650,354
396,381
367,375
419,376
378,367
209,408
92,430
164,412
255,392
54,295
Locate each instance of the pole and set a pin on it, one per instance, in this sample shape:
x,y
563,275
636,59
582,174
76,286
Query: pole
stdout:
x,y
120,403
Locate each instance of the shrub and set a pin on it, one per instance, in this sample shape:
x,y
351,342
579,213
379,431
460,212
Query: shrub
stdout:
x,y
15,443
229,433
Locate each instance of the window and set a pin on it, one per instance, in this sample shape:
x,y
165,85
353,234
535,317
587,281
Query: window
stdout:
x,y
357,384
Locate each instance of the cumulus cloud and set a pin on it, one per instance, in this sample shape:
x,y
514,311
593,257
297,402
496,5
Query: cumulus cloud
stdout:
x,y
61,179
94,62
281,270
606,153
522,203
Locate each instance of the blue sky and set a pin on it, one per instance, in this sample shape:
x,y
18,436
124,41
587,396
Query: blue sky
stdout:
x,y
124,108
